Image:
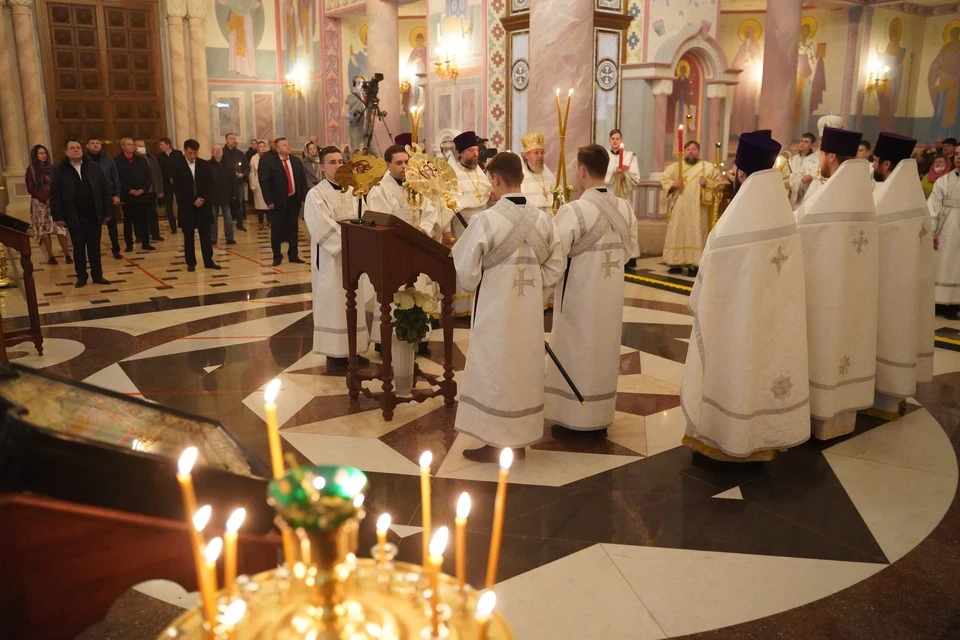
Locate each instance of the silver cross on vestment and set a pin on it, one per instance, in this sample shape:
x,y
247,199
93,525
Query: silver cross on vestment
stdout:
x,y
779,259
520,282
609,264
860,241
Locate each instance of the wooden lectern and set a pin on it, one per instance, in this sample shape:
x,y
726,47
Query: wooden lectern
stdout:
x,y
13,234
393,253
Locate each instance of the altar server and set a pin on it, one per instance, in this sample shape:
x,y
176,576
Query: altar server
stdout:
x,y
944,206
392,196
905,315
509,255
538,180
838,229
745,393
803,169
327,203
595,236
623,176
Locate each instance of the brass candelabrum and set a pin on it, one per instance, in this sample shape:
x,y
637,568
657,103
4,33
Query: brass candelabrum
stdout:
x,y
717,189
563,191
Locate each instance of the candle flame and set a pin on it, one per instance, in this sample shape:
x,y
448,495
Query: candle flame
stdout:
x,y
202,517
680,128
319,483
506,458
187,459
570,93
438,543
212,551
426,460
234,612
558,92
463,505
270,393
236,519
358,500
486,603
383,523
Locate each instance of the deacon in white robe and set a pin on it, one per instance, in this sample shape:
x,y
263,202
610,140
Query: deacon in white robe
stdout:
x,y
838,230
595,236
905,313
803,169
509,255
623,176
944,207
326,204
745,393
538,180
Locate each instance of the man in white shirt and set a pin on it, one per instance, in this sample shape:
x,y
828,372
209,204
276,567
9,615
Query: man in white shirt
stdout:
x,y
803,169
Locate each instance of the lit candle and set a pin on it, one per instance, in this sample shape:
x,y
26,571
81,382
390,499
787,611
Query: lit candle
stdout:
x,y
717,155
273,430
425,460
184,466
559,175
488,599
230,550
506,459
680,140
233,613
620,156
437,547
463,510
383,524
208,588
200,520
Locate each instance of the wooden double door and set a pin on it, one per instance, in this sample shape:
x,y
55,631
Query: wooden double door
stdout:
x,y
102,62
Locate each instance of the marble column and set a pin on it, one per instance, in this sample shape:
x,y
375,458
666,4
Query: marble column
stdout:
x,y
860,76
176,11
196,15
383,55
850,62
662,89
778,91
716,97
12,120
28,59
561,51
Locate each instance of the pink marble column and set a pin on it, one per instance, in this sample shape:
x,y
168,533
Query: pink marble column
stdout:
x,y
778,91
12,119
850,62
661,91
196,15
561,48
716,97
383,56
176,11
29,63
864,61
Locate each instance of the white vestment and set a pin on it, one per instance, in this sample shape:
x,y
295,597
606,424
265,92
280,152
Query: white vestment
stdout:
x,y
905,314
631,179
944,207
745,392
475,198
808,165
838,229
509,255
538,188
588,312
324,206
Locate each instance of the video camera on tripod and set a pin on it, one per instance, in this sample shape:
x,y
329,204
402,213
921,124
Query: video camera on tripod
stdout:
x,y
485,152
371,88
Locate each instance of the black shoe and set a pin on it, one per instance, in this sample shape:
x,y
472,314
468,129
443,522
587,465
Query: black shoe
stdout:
x,y
231,242
423,349
149,247
296,261
158,239
192,268
378,347
675,270
277,261
241,227
101,280
128,248
116,254
80,283
68,259
337,364
692,271
212,265
563,433
630,264
52,260
488,453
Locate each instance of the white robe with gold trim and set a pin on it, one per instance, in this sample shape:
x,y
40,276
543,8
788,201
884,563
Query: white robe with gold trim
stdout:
x,y
475,198
745,392
944,207
838,229
538,188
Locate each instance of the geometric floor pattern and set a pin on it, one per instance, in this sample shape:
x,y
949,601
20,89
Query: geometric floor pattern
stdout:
x,y
634,537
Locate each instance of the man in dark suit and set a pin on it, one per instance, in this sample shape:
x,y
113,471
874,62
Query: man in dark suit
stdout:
x,y
236,158
168,158
283,185
136,185
192,181
81,198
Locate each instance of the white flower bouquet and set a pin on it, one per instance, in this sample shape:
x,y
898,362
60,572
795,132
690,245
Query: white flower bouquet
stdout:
x,y
410,320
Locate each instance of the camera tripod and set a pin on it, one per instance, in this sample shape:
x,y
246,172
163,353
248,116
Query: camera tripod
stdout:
x,y
370,117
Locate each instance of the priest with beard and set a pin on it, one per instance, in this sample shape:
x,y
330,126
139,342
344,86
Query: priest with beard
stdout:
x,y
509,255
595,236
326,204
687,215
538,180
944,207
838,231
905,314
745,393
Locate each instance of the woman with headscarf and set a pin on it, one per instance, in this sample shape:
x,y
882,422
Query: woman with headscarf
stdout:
x,y
311,164
39,175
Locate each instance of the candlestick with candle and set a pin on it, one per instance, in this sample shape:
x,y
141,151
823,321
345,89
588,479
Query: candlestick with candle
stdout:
x,y
620,168
499,505
463,510
680,153
716,161
437,546
198,523
273,429
184,478
485,605
425,460
383,524
230,550
559,173
208,587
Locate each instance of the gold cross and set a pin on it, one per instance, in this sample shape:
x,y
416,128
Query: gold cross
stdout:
x,y
520,282
779,259
844,366
609,264
860,241
923,232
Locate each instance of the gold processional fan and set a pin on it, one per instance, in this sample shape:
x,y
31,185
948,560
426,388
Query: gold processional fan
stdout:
x,y
361,174
433,179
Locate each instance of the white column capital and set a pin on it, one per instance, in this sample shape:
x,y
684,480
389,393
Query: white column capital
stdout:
x,y
176,8
196,9
20,3
662,87
716,91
